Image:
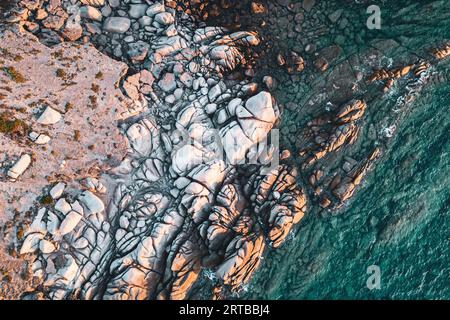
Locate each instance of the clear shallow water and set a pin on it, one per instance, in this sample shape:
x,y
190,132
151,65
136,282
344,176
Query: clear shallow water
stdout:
x,y
399,221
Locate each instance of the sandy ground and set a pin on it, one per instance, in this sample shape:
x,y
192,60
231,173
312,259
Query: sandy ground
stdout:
x,y
81,84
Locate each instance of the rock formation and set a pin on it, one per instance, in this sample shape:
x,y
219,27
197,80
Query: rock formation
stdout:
x,y
167,165
198,187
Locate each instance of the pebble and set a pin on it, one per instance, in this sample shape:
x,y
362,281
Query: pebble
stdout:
x,y
178,93
39,138
117,24
106,11
167,83
145,21
114,3
90,12
164,18
94,3
154,9
137,10
308,4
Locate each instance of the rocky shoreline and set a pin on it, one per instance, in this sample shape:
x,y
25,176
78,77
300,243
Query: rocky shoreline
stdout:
x,y
200,191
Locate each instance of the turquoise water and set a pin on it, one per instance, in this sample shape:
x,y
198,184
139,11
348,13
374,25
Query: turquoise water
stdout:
x,y
399,221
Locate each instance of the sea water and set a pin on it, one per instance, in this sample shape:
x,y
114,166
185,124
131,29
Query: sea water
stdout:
x,y
397,226
399,222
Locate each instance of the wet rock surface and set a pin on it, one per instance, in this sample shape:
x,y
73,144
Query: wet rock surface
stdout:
x,y
184,214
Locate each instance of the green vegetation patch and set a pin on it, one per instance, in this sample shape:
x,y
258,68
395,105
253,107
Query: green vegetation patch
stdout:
x,y
99,75
46,200
12,126
60,73
15,75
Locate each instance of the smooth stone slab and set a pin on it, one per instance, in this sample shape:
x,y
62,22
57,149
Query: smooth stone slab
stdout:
x,y
49,116
20,166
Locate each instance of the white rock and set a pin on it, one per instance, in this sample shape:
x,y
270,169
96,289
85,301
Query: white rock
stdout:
x,y
155,9
39,138
257,117
76,206
232,105
70,269
222,116
261,107
69,222
140,138
145,21
57,190
36,268
49,116
114,3
210,175
214,92
46,246
19,167
106,11
31,243
186,158
63,206
124,222
211,108
38,225
81,243
178,93
168,83
171,31
235,143
92,202
52,223
170,99
164,18
94,185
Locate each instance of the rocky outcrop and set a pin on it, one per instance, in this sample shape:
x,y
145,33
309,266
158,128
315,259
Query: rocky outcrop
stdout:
x,y
338,187
200,186
330,133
